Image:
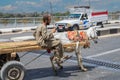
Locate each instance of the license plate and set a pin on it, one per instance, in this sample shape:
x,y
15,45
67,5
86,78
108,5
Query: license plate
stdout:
x,y
60,27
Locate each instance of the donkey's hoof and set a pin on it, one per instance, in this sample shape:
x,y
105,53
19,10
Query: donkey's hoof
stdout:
x,y
55,73
84,69
61,67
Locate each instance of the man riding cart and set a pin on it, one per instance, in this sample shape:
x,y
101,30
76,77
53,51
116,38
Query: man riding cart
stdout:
x,y
12,69
46,39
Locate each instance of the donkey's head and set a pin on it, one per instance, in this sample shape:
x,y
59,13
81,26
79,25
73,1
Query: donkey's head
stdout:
x,y
92,34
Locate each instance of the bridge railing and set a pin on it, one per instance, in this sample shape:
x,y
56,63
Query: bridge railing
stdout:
x,y
27,21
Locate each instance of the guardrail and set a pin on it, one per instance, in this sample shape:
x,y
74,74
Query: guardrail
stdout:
x,y
108,30
31,21
25,21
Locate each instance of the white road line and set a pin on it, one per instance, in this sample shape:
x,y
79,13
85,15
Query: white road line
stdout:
x,y
104,53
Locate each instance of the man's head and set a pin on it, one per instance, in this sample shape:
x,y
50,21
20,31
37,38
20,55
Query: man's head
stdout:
x,y
47,19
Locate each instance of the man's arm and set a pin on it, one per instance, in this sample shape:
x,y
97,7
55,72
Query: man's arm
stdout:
x,y
46,35
38,31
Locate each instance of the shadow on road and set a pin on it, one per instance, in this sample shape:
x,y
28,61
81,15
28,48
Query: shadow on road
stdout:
x,y
40,73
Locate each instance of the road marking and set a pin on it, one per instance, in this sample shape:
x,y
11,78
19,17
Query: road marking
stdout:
x,y
104,53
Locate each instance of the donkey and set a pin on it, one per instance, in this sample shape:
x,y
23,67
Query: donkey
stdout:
x,y
90,34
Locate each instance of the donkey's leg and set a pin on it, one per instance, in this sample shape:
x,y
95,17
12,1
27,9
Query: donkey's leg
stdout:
x,y
55,59
79,59
58,62
80,62
58,59
52,63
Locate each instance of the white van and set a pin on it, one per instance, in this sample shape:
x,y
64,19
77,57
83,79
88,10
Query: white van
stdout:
x,y
82,17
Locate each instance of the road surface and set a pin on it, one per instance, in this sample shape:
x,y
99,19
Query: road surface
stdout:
x,y
102,61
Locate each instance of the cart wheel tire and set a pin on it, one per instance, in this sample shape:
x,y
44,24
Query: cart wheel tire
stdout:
x,y
12,70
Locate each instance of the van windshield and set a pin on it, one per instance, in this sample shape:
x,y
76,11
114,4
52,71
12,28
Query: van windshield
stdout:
x,y
74,16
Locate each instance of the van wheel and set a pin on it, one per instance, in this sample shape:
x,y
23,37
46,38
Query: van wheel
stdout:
x,y
100,24
12,70
75,27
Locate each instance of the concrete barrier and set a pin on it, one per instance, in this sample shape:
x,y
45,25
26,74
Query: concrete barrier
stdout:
x,y
13,30
108,30
5,31
101,31
114,21
16,30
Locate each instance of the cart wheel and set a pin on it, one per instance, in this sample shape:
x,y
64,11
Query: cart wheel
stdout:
x,y
3,59
12,70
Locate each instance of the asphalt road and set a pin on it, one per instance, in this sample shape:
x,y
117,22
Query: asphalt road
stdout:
x,y
102,61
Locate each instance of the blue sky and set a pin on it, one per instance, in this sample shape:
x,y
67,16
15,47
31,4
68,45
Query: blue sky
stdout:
x,y
14,6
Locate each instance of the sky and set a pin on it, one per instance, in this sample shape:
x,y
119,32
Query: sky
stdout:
x,y
26,6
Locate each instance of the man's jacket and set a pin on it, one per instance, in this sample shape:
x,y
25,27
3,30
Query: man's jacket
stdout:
x,y
42,36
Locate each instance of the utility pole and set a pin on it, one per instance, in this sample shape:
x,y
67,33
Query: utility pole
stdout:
x,y
89,4
51,8
79,3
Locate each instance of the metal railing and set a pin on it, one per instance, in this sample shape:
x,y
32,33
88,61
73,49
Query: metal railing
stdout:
x,y
25,21
33,21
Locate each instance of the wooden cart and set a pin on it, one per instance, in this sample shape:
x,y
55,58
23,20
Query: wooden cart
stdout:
x,y
10,65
